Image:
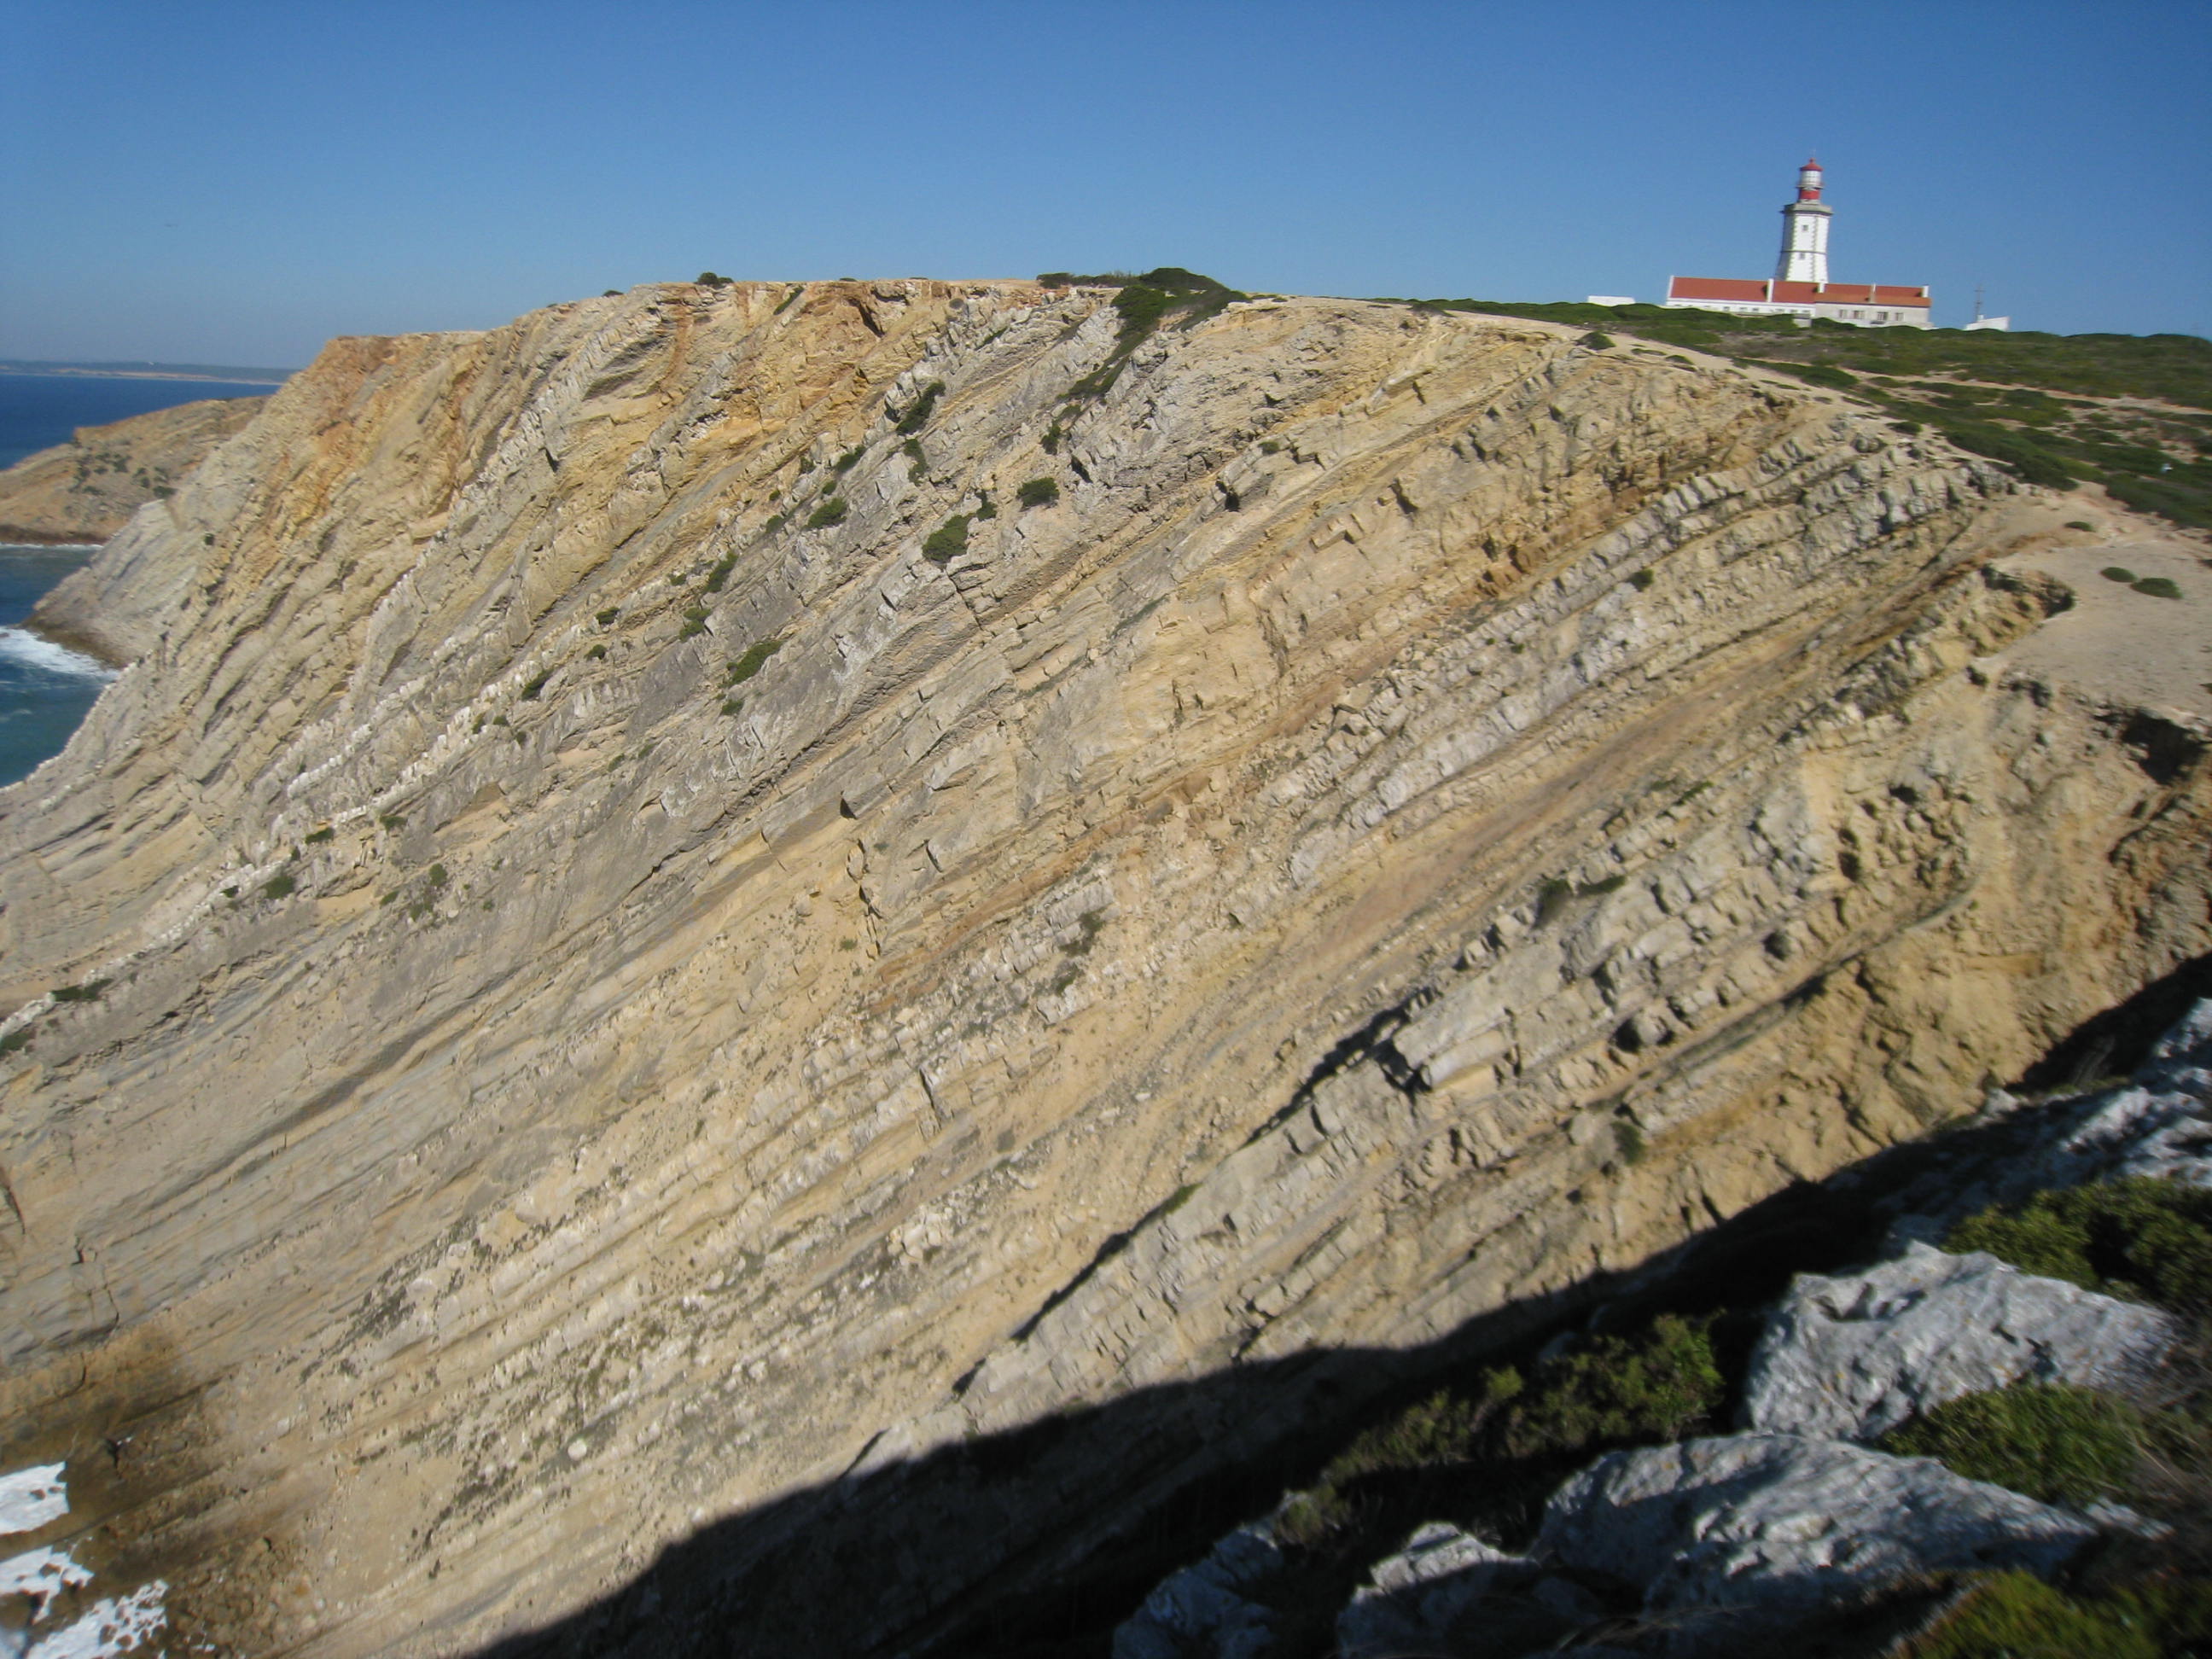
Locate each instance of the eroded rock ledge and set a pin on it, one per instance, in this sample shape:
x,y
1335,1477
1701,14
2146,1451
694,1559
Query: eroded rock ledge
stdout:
x,y
1434,810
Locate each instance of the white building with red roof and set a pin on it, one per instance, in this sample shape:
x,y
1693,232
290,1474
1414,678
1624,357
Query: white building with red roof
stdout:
x,y
1799,286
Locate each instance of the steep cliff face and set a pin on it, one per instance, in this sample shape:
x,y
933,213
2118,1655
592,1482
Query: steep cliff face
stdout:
x,y
86,489
649,971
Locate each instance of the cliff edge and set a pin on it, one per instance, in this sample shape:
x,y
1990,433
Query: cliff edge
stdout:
x,y
699,909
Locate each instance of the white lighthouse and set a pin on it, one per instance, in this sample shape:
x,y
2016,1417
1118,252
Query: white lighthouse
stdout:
x,y
1799,287
1805,232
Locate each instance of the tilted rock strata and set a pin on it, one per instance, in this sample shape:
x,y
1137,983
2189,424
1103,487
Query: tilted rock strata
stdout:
x,y
1435,810
85,491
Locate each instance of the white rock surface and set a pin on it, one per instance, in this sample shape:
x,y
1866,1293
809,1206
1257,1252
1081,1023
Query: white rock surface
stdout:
x,y
1852,1356
2161,1124
1199,1613
1770,1528
1411,1598
31,1498
118,1624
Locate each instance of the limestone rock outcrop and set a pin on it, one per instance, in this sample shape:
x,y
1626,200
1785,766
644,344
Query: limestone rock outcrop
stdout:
x,y
1850,1358
85,491
646,1008
1746,1536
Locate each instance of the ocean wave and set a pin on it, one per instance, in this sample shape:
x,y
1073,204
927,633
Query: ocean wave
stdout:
x,y
28,651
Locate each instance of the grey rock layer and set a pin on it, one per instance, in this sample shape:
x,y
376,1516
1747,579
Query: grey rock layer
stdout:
x,y
1411,1598
1852,1356
1200,1613
1770,1528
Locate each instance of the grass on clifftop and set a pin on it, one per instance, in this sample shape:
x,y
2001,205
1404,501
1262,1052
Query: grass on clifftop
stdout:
x,y
2132,413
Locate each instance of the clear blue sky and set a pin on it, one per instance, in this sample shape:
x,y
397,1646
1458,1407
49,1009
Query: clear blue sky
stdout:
x,y
235,182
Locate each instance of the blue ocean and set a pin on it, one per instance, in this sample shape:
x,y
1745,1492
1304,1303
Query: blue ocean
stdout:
x,y
45,690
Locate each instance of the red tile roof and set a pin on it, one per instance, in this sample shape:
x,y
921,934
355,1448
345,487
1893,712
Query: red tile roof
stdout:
x,y
1748,291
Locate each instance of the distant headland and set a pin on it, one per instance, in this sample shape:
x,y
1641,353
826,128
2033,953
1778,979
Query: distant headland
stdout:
x,y
231,374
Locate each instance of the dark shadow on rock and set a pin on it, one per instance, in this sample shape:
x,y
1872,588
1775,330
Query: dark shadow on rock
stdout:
x,y
1042,1539
2116,1041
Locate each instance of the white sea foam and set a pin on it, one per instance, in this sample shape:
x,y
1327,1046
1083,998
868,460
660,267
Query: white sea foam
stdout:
x,y
31,1498
122,1624
30,651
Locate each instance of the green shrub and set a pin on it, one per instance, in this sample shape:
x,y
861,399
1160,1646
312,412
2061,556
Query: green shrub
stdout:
x,y
989,509
14,1043
2061,1444
595,653
2117,573
279,885
721,573
1038,492
318,837
1551,895
437,876
947,542
849,460
732,705
750,663
2140,1238
2159,587
1052,435
607,615
912,450
530,690
1643,579
708,279
1821,375
775,523
1595,342
2079,524
1628,1140
87,991
391,821
2030,460
832,510
2016,1615
789,301
1619,1391
694,621
917,417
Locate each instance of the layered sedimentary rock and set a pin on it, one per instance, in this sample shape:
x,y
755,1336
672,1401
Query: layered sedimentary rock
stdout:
x,y
641,1002
86,489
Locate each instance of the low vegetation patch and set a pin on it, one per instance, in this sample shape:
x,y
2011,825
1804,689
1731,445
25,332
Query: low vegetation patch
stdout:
x,y
694,621
87,991
917,416
2140,1239
1507,1440
279,885
1146,303
16,1042
1038,492
2061,1444
319,837
2013,1615
749,663
2159,587
720,574
948,541
832,510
